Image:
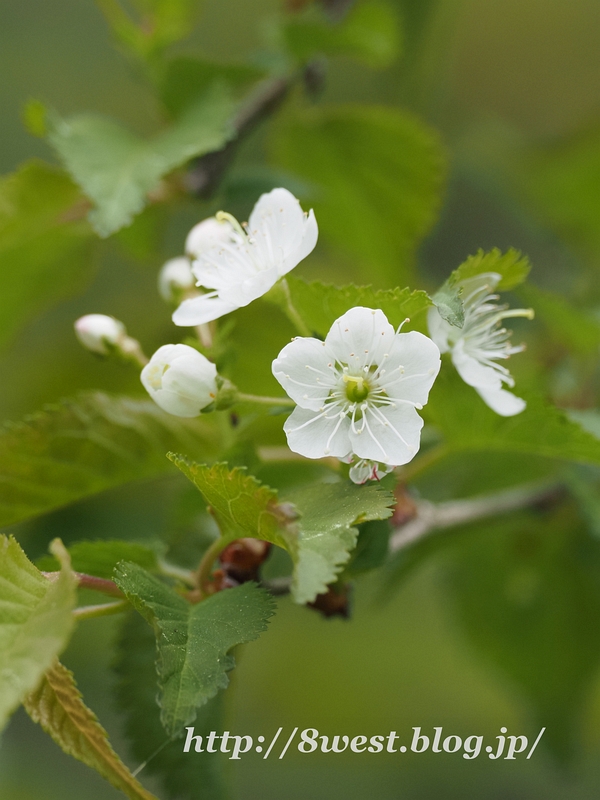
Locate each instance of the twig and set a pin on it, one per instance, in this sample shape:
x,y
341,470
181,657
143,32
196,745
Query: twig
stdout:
x,y
206,174
433,517
90,582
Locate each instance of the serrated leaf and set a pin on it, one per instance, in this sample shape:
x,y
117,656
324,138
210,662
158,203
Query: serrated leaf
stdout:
x,y
187,79
319,541
329,515
541,429
86,445
58,707
36,621
193,641
378,174
511,266
117,169
370,33
44,243
184,776
320,304
99,558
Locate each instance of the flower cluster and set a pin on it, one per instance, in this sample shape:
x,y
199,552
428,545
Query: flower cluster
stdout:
x,y
358,393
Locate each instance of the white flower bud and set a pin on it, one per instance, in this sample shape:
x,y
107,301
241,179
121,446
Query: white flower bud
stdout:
x,y
206,234
175,279
100,333
180,380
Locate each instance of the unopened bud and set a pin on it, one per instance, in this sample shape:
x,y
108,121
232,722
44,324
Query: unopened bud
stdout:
x,y
206,234
180,380
176,280
100,333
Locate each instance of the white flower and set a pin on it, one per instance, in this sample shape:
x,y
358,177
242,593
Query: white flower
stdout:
x,y
180,380
100,333
358,391
175,279
480,342
365,470
249,262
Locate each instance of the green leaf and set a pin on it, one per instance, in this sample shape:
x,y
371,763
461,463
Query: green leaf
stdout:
x,y
512,266
187,79
86,445
117,169
370,33
541,430
372,548
329,513
565,324
35,624
101,557
44,243
319,542
320,304
378,173
58,707
184,776
193,640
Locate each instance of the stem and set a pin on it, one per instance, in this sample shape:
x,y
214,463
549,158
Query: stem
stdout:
x,y
205,567
178,573
204,333
267,401
90,582
291,312
103,610
434,517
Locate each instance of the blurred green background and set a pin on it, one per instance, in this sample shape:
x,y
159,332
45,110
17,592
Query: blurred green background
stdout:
x,y
496,626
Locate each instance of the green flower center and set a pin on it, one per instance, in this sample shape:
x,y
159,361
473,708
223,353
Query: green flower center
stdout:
x,y
357,389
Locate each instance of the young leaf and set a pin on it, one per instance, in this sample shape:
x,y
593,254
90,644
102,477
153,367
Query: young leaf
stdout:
x,y
541,429
117,170
193,640
44,243
370,33
184,776
58,707
101,557
320,304
378,173
329,513
36,621
84,446
512,266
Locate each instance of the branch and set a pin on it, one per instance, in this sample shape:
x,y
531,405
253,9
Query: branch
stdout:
x,y
433,517
205,176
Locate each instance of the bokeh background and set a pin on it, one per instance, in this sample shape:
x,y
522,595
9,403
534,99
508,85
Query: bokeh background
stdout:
x,y
496,625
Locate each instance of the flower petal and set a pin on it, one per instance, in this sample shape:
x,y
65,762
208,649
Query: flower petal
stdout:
x,y
360,337
439,329
176,404
472,372
199,310
410,368
304,369
502,402
318,434
386,434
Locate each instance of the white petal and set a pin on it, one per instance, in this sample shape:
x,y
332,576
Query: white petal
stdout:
x,y
360,336
439,329
205,308
206,234
193,378
176,404
412,365
315,435
302,368
502,402
390,435
279,232
472,372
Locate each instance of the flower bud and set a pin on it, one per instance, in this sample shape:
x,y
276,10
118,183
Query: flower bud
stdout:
x,y
175,280
207,233
180,380
100,333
